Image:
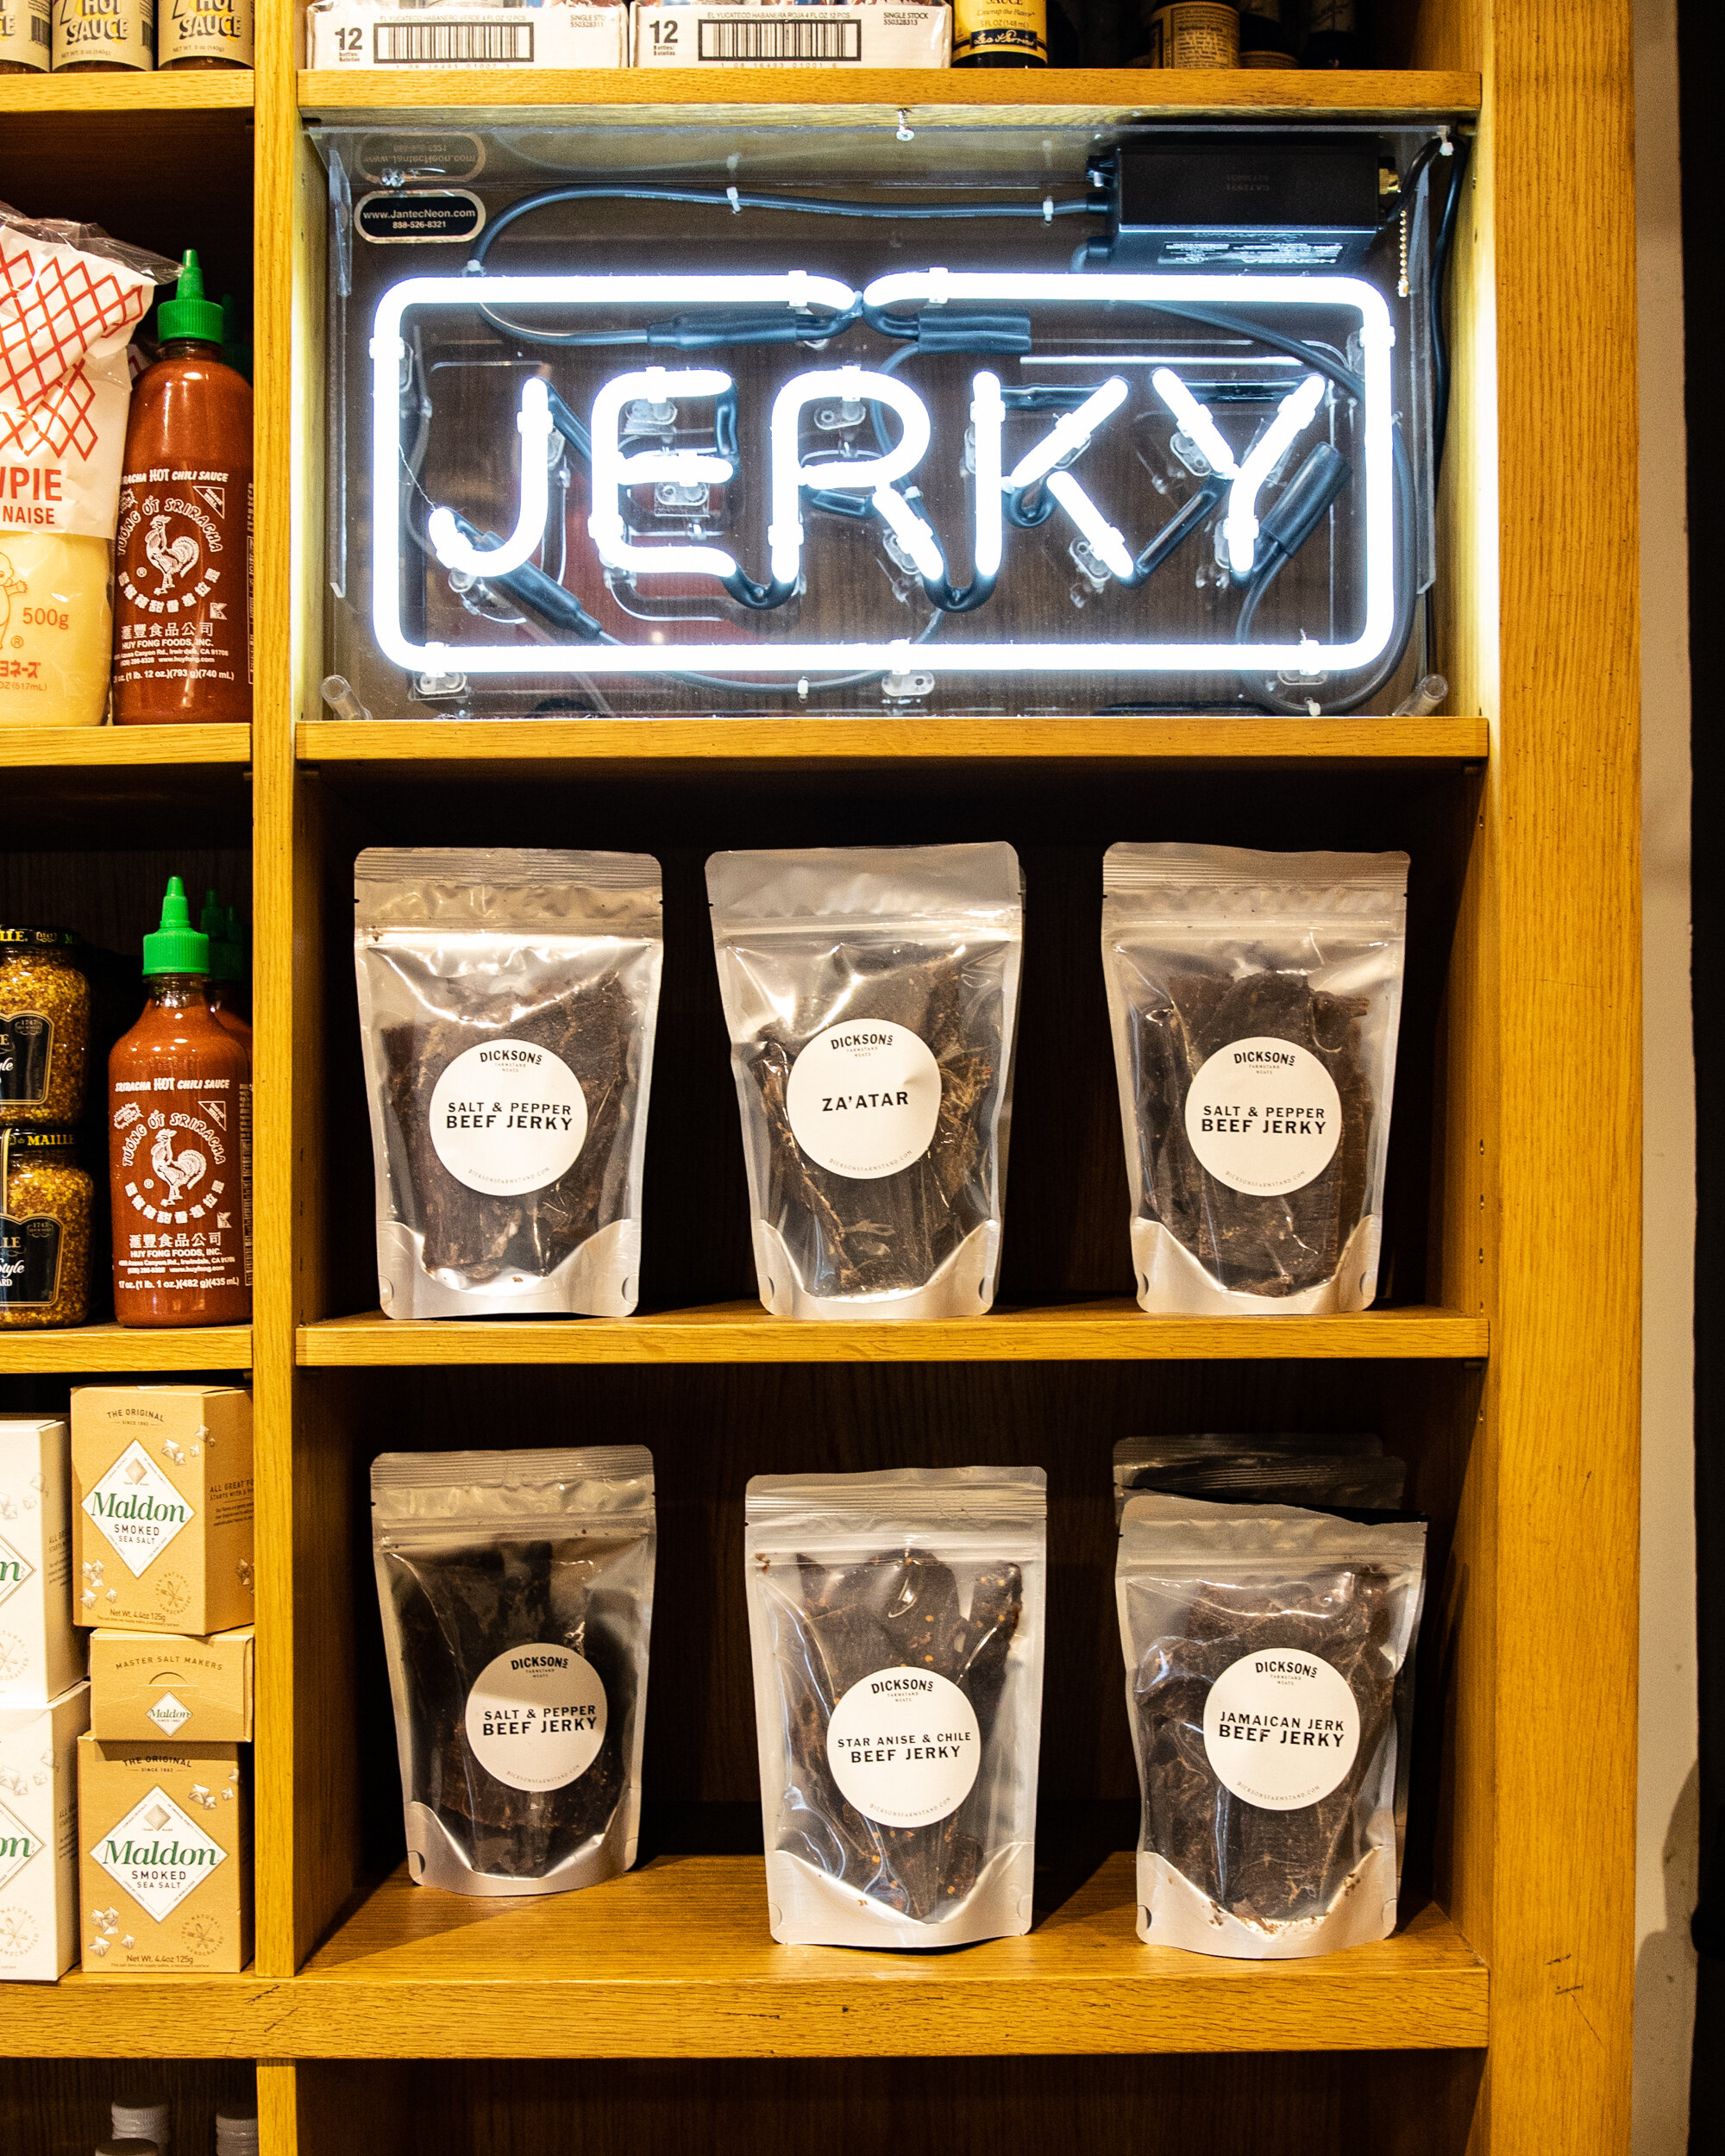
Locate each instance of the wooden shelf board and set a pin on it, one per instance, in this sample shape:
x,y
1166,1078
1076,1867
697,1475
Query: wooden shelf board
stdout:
x,y
97,747
140,1349
934,98
172,91
1111,1331
137,2017
676,1961
538,742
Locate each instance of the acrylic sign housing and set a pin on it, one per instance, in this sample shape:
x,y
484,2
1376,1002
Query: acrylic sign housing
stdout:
x,y
885,484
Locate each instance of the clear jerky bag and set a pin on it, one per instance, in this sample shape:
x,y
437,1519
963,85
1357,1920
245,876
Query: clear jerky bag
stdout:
x,y
1269,1656
1254,1000
516,1595
871,994
896,1623
508,1001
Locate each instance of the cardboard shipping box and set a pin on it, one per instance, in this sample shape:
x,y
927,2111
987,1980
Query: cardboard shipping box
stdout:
x,y
39,1836
40,1653
145,1686
164,1872
162,1498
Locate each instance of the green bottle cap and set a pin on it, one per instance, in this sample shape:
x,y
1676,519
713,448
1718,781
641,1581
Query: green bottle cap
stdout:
x,y
213,920
189,314
228,953
236,349
176,946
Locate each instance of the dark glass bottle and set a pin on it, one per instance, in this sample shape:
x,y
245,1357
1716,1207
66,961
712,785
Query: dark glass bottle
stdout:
x,y
1000,33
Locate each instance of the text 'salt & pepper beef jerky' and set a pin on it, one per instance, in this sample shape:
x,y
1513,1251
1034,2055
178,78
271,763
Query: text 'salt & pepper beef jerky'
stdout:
x,y
896,1624
516,1595
1254,1000
1269,1658
871,994
508,1001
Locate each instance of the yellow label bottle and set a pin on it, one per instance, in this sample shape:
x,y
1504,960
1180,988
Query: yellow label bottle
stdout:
x,y
56,628
25,37
105,37
205,33
1000,33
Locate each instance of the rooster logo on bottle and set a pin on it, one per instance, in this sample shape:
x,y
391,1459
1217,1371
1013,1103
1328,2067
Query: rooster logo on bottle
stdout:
x,y
181,1172
174,558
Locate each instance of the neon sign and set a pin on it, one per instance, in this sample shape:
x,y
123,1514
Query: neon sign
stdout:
x,y
883,484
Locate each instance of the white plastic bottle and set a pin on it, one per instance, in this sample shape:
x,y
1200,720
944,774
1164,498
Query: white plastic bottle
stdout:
x,y
143,2115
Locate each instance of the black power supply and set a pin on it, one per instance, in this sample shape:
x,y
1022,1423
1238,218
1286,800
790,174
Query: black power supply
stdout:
x,y
1242,203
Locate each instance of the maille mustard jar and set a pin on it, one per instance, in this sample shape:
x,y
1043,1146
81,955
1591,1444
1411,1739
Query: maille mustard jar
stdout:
x,y
44,1026
45,1202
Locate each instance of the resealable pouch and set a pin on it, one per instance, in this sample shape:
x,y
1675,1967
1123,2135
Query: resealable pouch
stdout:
x,y
1254,1000
1326,1471
896,1623
871,994
516,1596
508,1001
1269,1654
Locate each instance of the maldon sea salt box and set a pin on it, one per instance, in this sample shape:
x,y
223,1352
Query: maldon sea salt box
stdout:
x,y
162,1507
40,1653
38,1838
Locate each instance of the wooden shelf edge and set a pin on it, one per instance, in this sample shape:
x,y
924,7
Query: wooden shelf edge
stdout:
x,y
84,1350
935,98
509,742
136,2017
1112,1332
674,1961
228,89
42,748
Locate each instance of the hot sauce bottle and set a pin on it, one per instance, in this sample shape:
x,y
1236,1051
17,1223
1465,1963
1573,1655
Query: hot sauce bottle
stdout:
x,y
227,966
183,551
180,1138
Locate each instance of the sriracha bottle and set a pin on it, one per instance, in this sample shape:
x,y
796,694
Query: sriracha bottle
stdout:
x,y
183,551
179,1139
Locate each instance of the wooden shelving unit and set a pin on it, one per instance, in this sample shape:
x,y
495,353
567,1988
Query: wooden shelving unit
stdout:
x,y
655,2012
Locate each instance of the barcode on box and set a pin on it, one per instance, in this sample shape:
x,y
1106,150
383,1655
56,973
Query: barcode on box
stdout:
x,y
40,33
744,37
449,44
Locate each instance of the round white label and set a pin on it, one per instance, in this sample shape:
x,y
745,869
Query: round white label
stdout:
x,y
536,1716
508,1117
1264,1115
904,1747
864,1099
1281,1728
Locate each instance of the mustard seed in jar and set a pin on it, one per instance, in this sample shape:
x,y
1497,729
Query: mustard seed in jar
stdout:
x,y
44,1026
45,1202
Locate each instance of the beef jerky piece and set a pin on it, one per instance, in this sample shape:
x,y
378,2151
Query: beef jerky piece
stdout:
x,y
858,1237
594,1028
459,1609
1253,1245
897,1610
1264,1867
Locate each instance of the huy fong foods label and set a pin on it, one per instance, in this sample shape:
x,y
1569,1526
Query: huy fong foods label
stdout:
x,y
904,1747
507,1118
107,32
536,1716
218,30
181,1165
182,576
164,1833
1264,1117
162,1488
1281,1730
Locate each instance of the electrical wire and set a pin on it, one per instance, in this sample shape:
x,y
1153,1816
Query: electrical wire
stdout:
x,y
1440,346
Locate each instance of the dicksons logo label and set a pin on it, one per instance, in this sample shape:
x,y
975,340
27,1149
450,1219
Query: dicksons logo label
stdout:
x,y
158,1854
137,1508
17,1846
